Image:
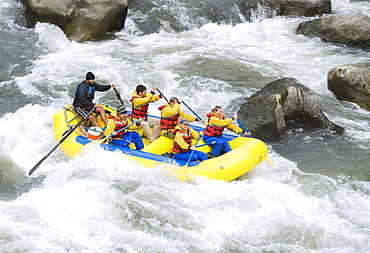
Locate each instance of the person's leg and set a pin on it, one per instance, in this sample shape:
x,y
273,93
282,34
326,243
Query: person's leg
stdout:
x,y
226,147
101,111
145,126
135,138
155,123
84,113
199,155
120,143
193,155
182,156
217,146
93,121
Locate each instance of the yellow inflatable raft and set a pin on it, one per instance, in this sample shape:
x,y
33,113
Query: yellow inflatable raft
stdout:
x,y
246,152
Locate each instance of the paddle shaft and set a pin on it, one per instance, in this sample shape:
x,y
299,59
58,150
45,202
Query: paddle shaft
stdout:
x,y
162,94
60,142
118,96
185,168
196,115
209,143
123,129
243,127
187,163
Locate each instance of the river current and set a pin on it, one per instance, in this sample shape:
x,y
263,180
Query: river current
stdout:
x,y
316,197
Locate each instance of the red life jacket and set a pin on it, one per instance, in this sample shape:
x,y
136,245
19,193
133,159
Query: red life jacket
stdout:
x,y
187,138
168,122
139,111
213,130
119,126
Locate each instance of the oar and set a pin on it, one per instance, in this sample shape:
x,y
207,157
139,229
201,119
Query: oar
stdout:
x,y
246,130
162,94
209,143
181,176
122,129
102,140
60,142
270,161
196,115
118,96
243,127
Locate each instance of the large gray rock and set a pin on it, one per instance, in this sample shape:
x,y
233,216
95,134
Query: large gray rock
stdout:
x,y
350,29
80,20
308,8
271,8
267,111
351,83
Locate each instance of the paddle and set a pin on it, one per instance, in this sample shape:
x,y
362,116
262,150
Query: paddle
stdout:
x,y
246,130
122,129
209,143
60,142
196,115
162,94
181,176
243,127
118,96
102,140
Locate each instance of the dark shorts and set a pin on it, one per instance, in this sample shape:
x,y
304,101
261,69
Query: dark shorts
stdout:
x,y
84,111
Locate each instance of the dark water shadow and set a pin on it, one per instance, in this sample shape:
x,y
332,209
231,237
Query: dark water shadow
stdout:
x,y
13,181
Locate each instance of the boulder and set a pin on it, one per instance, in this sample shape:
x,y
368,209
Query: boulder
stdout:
x,y
351,83
80,20
307,8
270,8
350,29
267,112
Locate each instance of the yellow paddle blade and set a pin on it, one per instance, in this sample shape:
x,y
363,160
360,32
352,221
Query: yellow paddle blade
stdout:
x,y
269,161
181,176
92,145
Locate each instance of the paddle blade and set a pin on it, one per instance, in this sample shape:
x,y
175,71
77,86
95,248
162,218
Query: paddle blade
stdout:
x,y
36,166
91,146
65,136
269,161
181,176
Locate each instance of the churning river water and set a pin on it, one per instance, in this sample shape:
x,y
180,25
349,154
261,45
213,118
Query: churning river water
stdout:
x,y
316,198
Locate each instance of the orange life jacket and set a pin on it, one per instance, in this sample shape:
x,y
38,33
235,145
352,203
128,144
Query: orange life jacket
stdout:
x,y
119,126
213,130
139,111
187,138
168,122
